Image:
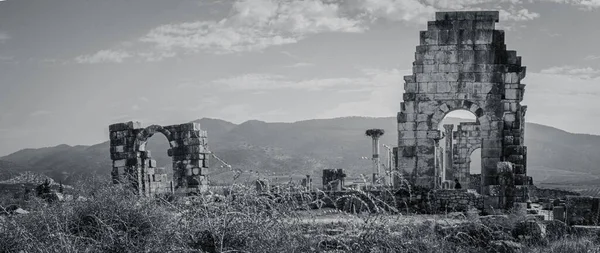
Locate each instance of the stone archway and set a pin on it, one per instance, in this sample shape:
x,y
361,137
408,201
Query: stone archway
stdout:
x,y
462,63
133,163
467,138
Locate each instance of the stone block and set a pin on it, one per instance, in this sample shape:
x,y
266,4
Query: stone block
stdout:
x,y
410,87
408,151
519,169
407,126
409,134
558,213
521,179
423,126
515,159
512,94
408,107
491,152
484,36
117,149
120,163
435,134
150,171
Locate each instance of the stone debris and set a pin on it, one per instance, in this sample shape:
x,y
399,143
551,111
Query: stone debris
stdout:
x,y
20,211
581,210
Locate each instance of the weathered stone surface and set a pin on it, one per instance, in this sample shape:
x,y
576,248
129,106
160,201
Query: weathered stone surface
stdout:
x,y
530,230
462,63
132,163
582,210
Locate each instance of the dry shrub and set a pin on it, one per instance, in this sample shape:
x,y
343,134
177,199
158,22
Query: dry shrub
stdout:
x,y
115,220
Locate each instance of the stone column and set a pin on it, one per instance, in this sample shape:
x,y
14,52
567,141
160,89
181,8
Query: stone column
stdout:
x,y
126,160
449,160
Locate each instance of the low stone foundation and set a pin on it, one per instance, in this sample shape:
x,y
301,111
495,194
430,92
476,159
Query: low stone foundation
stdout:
x,y
455,200
582,210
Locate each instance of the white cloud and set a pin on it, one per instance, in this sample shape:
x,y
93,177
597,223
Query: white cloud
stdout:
x,y
4,37
103,56
592,57
254,25
584,4
300,65
40,113
579,72
513,14
394,10
265,82
382,98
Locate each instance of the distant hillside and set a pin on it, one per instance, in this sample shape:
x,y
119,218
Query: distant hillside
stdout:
x,y
307,147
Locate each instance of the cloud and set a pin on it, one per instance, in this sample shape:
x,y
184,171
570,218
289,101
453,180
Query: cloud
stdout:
x,y
393,10
300,65
592,57
584,4
40,113
513,14
103,56
253,26
579,72
4,37
266,82
381,98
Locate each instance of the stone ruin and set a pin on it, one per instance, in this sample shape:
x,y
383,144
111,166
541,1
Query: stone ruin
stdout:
x,y
467,139
462,64
133,164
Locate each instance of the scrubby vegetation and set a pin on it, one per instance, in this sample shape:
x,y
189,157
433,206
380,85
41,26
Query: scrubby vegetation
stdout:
x,y
111,219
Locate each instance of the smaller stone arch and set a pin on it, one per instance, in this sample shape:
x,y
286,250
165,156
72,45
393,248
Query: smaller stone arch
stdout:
x,y
447,107
133,163
467,138
144,135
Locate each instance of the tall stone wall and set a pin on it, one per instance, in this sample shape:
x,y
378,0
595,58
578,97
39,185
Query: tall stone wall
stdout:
x,y
467,138
462,63
133,164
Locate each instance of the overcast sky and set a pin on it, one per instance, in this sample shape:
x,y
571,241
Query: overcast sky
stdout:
x,y
69,68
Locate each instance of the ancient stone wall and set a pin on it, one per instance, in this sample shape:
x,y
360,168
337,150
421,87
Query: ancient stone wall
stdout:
x,y
582,210
455,200
133,164
462,63
475,182
467,138
333,179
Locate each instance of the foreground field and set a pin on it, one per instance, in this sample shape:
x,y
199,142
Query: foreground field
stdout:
x,y
113,220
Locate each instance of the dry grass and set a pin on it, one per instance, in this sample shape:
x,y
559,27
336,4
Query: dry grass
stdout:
x,y
114,220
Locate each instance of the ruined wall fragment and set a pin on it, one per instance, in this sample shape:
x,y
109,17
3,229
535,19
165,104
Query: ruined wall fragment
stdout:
x,y
462,63
133,164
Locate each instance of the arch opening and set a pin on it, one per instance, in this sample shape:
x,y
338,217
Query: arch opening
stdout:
x,y
157,145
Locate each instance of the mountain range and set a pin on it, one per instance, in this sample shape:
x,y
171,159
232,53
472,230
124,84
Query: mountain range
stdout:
x,y
284,151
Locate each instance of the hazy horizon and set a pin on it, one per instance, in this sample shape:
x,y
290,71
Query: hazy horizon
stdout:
x,y
461,115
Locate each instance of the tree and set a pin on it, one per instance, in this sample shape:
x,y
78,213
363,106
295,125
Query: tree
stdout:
x,y
43,188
